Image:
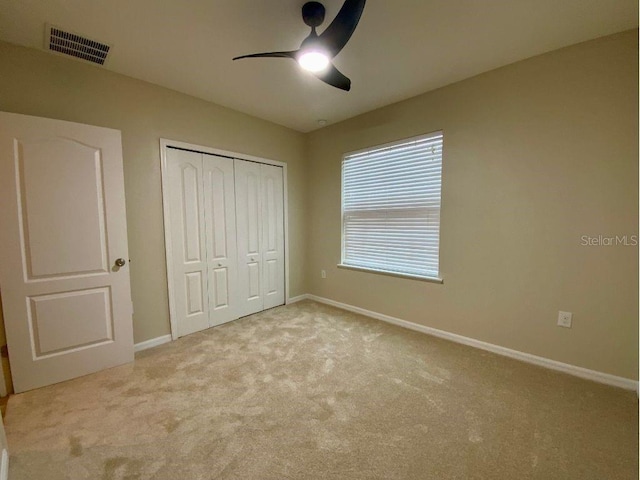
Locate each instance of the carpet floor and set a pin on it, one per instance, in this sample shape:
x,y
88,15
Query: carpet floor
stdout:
x,y
308,391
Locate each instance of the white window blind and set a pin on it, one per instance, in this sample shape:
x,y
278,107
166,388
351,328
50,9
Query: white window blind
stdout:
x,y
391,207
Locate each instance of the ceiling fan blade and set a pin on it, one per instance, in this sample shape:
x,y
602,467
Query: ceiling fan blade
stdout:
x,y
336,35
334,77
291,54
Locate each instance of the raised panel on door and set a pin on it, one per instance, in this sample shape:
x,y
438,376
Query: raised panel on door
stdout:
x,y
272,235
67,306
46,169
188,272
249,236
85,312
220,224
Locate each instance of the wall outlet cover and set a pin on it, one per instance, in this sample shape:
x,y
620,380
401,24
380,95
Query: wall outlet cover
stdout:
x,y
564,319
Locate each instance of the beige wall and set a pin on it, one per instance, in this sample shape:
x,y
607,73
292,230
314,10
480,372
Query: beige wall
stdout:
x,y
38,83
536,154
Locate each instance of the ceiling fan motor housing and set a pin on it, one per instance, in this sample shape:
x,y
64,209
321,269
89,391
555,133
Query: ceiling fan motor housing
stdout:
x,y
313,14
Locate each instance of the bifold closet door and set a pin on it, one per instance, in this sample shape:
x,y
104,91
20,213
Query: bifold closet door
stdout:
x,y
249,229
225,232
260,235
204,273
272,235
220,228
188,245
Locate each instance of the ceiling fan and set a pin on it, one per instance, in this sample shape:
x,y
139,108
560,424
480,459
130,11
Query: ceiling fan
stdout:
x,y
317,51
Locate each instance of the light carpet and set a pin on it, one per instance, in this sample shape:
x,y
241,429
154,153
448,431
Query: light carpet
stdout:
x,y
308,391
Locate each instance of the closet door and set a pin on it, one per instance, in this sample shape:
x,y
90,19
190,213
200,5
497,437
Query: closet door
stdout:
x,y
188,254
249,233
272,197
220,227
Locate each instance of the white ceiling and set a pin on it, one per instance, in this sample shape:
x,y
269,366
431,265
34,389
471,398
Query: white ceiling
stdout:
x,y
401,48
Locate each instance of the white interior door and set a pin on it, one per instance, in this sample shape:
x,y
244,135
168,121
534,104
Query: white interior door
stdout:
x,y
220,227
63,249
249,235
188,271
272,235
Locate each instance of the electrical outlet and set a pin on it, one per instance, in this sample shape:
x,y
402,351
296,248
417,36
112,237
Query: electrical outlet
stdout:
x,y
323,273
564,319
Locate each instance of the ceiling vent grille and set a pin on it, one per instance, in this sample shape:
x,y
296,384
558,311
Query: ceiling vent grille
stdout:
x,y
77,46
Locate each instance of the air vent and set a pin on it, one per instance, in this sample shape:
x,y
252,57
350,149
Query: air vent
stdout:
x,y
77,46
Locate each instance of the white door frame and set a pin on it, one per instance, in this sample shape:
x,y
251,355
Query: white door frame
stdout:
x,y
164,144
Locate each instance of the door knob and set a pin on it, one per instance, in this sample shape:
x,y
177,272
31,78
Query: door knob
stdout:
x,y
120,262
253,259
219,264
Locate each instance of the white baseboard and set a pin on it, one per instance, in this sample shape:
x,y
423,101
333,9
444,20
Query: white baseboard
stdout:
x,y
574,370
4,465
299,298
154,342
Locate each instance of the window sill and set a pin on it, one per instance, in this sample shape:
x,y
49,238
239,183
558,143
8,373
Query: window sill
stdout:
x,y
392,274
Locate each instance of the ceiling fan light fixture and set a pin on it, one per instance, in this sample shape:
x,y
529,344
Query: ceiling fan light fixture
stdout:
x,y
313,60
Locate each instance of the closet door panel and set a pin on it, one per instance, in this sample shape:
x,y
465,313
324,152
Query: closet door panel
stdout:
x,y
220,225
272,196
189,260
249,236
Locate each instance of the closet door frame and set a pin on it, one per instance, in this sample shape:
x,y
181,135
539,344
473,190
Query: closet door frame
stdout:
x,y
167,143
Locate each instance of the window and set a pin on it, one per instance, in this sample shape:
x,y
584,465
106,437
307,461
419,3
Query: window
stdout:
x,y
391,207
